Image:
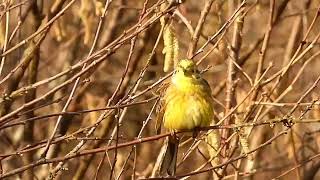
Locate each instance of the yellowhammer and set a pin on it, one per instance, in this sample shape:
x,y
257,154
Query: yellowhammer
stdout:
x,y
186,104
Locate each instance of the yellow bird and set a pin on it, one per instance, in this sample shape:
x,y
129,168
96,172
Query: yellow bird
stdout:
x,y
186,104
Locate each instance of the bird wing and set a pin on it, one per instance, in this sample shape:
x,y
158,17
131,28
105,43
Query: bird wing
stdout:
x,y
206,87
161,106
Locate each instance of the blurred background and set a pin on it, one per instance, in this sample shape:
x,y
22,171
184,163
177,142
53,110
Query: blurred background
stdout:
x,y
78,78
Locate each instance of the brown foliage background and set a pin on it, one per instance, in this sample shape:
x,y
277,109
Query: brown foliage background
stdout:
x,y
79,79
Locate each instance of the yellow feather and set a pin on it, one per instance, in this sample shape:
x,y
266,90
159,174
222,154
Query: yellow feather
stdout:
x,y
188,102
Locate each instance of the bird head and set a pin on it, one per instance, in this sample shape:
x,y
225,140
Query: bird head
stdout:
x,y
187,67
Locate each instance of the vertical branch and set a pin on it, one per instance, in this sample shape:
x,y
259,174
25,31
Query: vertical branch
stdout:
x,y
231,84
271,21
32,78
5,41
294,152
262,54
292,44
295,36
116,144
197,32
265,43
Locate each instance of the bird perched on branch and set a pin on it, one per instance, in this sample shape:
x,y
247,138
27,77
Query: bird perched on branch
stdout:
x,y
185,105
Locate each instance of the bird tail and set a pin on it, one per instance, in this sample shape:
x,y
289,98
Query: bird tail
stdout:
x,y
167,159
170,157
